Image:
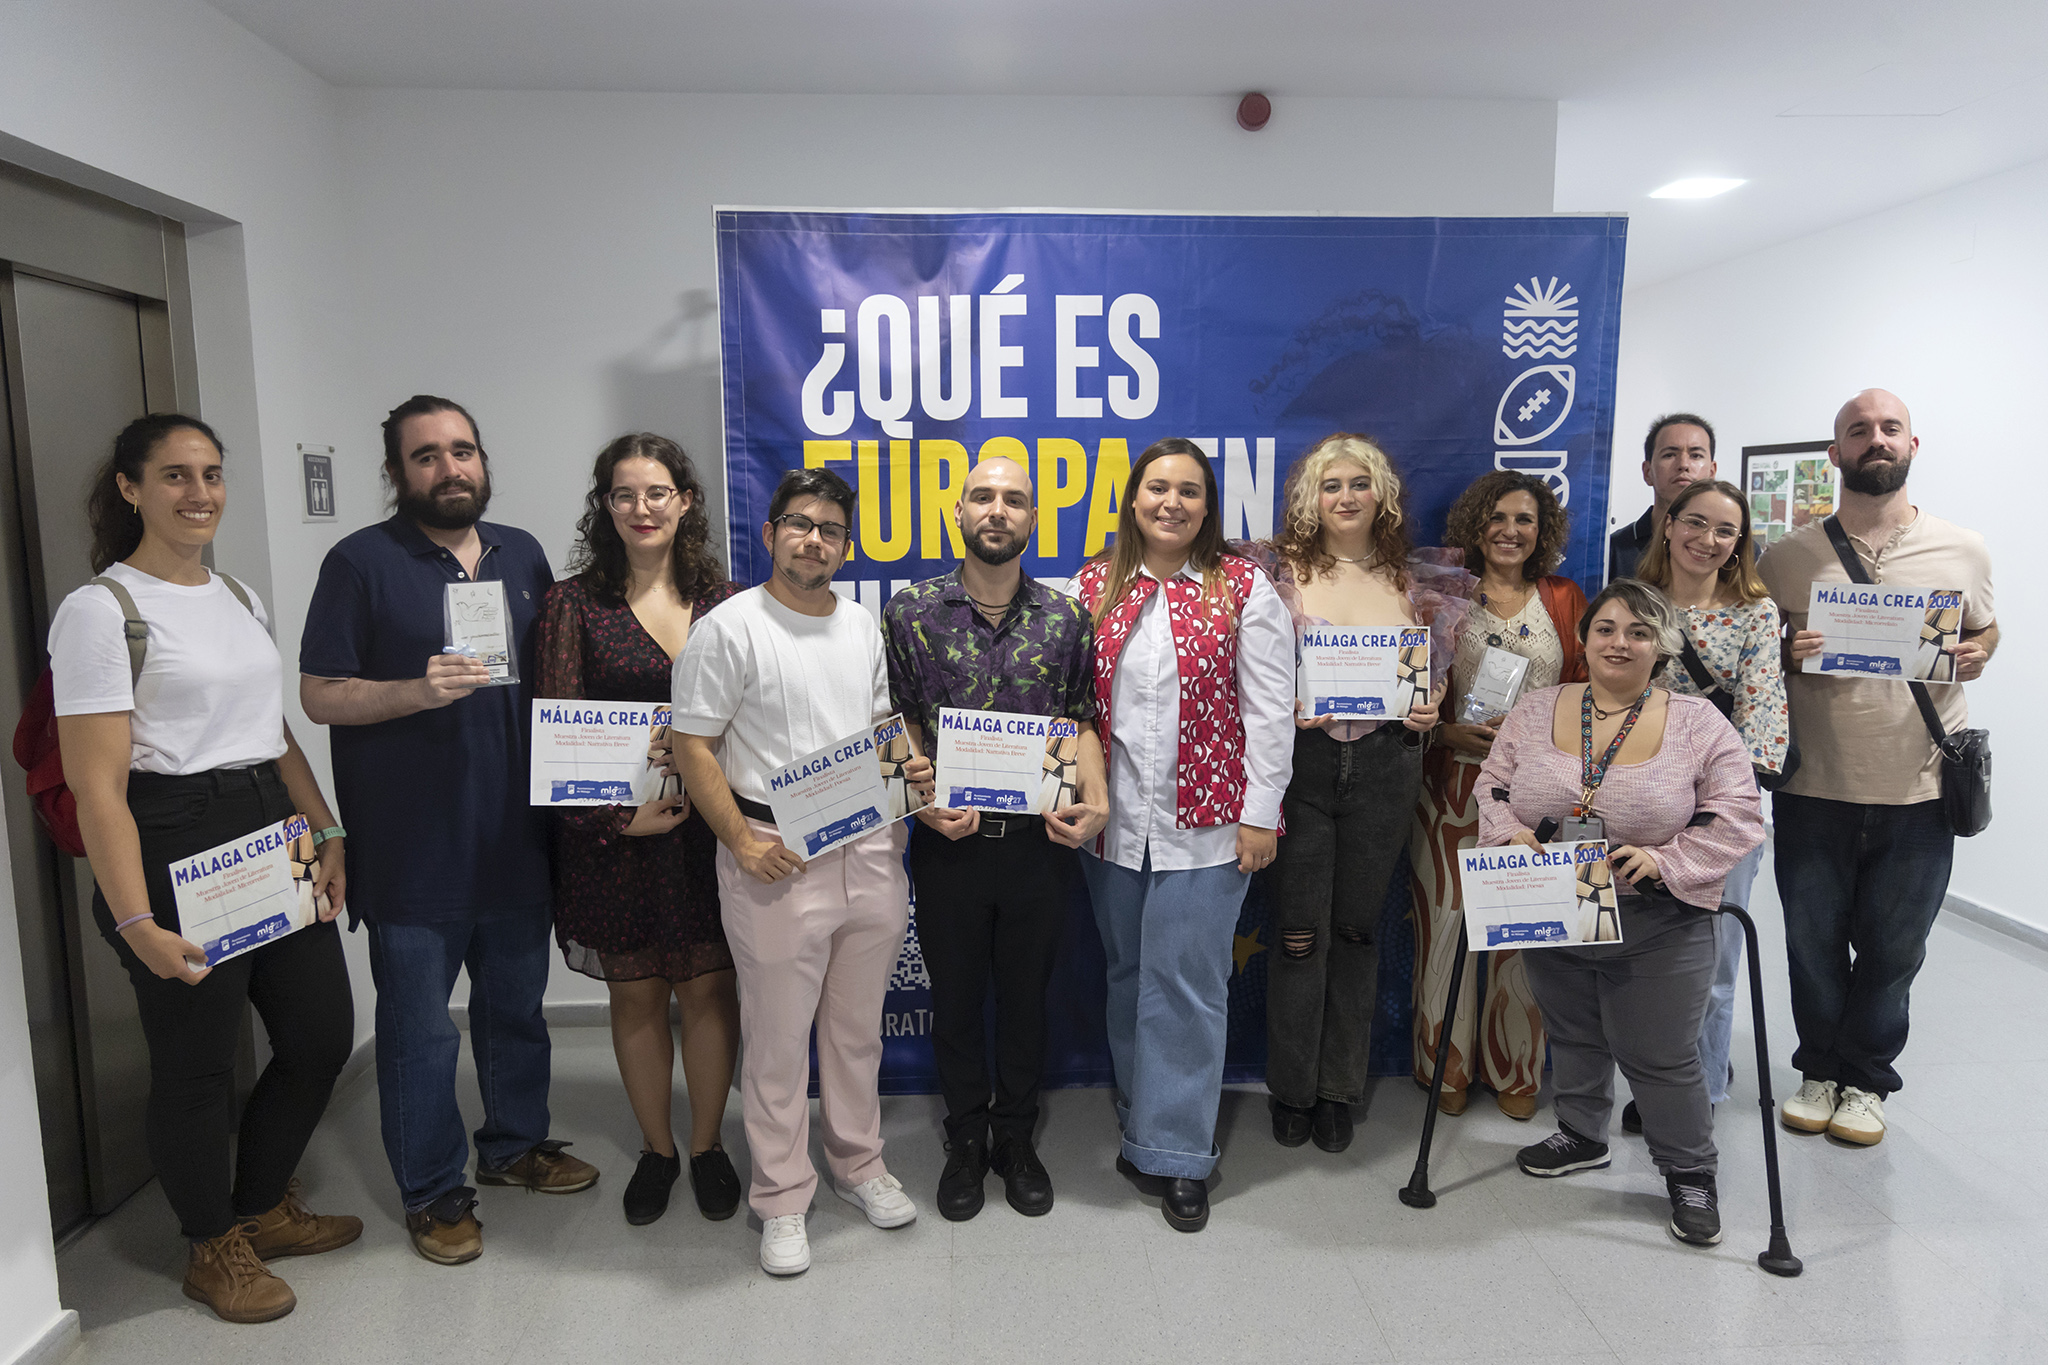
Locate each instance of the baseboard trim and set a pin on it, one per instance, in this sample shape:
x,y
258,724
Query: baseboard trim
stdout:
x,y
562,1013
56,1343
1996,920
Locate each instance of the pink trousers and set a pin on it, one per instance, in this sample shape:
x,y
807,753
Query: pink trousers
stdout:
x,y
818,945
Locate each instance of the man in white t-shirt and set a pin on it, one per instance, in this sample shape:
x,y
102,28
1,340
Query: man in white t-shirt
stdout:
x,y
777,672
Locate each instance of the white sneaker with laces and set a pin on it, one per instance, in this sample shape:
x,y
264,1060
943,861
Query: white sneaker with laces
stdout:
x,y
882,1200
1812,1109
1859,1118
785,1247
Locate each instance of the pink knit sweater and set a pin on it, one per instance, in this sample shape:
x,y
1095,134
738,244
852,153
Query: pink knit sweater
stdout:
x,y
1701,766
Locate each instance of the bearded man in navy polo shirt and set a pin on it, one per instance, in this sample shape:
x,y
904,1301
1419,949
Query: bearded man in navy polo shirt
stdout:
x,y
447,861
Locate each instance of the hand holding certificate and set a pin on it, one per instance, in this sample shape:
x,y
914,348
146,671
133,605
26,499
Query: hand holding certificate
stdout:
x,y
1358,673
1007,763
1543,897
846,790
1881,630
248,891
480,628
599,753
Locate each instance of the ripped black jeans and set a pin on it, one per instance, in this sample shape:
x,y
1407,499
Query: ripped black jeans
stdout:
x,y
1349,810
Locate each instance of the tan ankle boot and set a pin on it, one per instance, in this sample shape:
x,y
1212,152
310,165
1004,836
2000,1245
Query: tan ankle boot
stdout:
x,y
225,1275
291,1229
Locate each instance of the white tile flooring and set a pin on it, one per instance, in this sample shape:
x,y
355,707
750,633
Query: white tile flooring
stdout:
x,y
1932,1246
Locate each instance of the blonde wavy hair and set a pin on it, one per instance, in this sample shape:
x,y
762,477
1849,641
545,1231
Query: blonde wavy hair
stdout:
x,y
1300,539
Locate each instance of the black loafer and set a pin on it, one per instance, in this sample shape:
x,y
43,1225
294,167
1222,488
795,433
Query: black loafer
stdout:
x,y
960,1195
1631,1118
1025,1183
1331,1126
647,1192
716,1183
1290,1125
1186,1204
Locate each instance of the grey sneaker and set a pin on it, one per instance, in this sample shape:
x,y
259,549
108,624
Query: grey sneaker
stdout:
x,y
1695,1207
1562,1153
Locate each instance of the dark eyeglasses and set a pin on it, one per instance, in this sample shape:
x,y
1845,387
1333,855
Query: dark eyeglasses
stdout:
x,y
800,526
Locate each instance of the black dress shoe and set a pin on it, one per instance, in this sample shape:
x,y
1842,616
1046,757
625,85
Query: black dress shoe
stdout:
x,y
1025,1183
1631,1118
1331,1126
1186,1204
960,1195
647,1192
1290,1125
716,1183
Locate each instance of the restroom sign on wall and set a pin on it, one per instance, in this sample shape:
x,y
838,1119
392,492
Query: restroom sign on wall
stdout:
x,y
316,464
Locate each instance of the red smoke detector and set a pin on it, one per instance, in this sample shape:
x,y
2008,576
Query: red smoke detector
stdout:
x,y
1253,111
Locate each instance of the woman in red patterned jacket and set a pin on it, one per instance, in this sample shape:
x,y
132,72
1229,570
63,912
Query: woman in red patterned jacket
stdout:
x,y
1194,694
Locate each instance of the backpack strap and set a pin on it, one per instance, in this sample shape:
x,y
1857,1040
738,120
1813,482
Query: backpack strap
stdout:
x,y
241,593
133,628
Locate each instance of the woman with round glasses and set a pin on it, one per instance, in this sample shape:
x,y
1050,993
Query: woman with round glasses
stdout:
x,y
1702,559
636,889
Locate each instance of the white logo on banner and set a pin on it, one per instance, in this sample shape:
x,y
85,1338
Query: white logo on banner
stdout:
x,y
1540,320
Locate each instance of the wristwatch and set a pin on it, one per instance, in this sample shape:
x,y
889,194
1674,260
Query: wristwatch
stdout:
x,y
321,836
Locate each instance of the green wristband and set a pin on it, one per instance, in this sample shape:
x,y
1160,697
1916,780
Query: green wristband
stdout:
x,y
321,836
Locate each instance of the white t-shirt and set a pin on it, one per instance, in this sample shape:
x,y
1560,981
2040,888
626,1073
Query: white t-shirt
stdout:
x,y
777,684
211,694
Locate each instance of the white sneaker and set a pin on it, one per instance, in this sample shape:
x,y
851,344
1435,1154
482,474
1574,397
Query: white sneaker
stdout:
x,y
1812,1109
785,1248
882,1200
1859,1118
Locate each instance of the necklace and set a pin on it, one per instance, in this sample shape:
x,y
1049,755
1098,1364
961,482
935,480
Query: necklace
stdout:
x,y
1599,714
1342,560
992,608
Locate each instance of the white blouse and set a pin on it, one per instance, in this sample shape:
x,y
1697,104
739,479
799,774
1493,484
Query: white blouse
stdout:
x,y
1144,758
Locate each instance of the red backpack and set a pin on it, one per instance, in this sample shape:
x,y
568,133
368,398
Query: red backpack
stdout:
x,y
35,735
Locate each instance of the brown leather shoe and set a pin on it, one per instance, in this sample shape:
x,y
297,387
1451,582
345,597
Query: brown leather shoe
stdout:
x,y
446,1231
225,1275
545,1168
292,1229
1452,1102
1516,1106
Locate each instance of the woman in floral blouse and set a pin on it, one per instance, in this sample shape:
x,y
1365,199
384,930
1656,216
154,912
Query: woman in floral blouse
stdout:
x,y
1703,561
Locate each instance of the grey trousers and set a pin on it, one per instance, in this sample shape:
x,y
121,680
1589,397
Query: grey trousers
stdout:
x,y
1636,1004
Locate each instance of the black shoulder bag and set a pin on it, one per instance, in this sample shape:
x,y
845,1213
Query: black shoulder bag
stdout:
x,y
1724,702
1965,755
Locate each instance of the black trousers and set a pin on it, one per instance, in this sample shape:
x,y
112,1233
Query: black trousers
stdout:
x,y
990,911
298,984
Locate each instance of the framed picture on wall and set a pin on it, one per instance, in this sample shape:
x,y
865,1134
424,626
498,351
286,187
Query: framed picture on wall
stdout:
x,y
1788,487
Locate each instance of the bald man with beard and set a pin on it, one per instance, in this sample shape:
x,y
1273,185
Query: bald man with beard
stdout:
x,y
1862,847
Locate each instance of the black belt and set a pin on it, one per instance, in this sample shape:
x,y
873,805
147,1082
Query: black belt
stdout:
x,y
754,810
1003,826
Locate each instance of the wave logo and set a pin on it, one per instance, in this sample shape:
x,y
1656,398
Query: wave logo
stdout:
x,y
1540,319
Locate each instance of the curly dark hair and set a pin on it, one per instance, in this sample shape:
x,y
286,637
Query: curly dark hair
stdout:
x,y
1466,522
598,558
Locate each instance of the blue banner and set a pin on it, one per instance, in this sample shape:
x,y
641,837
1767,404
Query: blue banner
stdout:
x,y
900,348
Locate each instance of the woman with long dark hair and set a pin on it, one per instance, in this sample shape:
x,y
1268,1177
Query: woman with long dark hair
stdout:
x,y
636,889
1511,532
1194,695
170,754
1342,558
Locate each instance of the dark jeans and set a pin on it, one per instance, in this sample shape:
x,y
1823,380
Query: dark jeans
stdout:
x,y
990,911
299,985
1349,810
1867,881
414,966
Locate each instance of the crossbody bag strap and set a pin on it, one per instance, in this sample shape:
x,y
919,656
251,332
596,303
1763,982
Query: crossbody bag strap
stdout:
x,y
1695,667
133,628
1852,563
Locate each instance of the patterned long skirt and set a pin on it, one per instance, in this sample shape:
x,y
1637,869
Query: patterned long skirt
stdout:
x,y
1511,1043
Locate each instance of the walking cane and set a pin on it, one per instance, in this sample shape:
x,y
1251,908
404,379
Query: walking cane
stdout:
x,y
1416,1194
1778,1257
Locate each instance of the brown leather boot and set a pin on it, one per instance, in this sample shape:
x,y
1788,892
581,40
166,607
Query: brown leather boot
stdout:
x,y
225,1275
292,1229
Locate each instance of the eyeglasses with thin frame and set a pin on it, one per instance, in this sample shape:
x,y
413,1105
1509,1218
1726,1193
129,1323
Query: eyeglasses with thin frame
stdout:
x,y
657,498
1697,524
800,526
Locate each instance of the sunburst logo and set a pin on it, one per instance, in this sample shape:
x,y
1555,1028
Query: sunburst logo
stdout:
x,y
1540,319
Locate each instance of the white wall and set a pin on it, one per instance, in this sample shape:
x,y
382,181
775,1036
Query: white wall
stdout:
x,y
1940,301
547,259
28,1267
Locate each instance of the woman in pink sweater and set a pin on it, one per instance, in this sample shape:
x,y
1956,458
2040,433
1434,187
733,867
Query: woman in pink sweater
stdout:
x,y
1670,782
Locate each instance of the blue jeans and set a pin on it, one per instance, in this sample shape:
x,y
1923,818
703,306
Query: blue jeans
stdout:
x,y
414,966
1168,938
1719,1024
1867,881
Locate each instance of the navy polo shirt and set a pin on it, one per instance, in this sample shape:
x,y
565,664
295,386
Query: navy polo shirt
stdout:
x,y
436,805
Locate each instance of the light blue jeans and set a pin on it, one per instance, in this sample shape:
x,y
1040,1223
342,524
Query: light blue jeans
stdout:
x,y
1719,1024
1168,939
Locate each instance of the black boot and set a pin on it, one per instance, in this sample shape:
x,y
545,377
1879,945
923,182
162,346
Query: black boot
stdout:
x,y
1331,1126
960,1195
1290,1125
1186,1204
1025,1183
647,1192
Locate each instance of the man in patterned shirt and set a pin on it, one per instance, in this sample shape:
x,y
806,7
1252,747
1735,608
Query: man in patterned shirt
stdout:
x,y
992,890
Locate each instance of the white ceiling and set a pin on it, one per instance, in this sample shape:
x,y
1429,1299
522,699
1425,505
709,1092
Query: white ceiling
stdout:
x,y
1830,110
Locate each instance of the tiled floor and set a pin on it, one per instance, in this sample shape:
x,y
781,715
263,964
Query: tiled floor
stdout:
x,y
1929,1247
